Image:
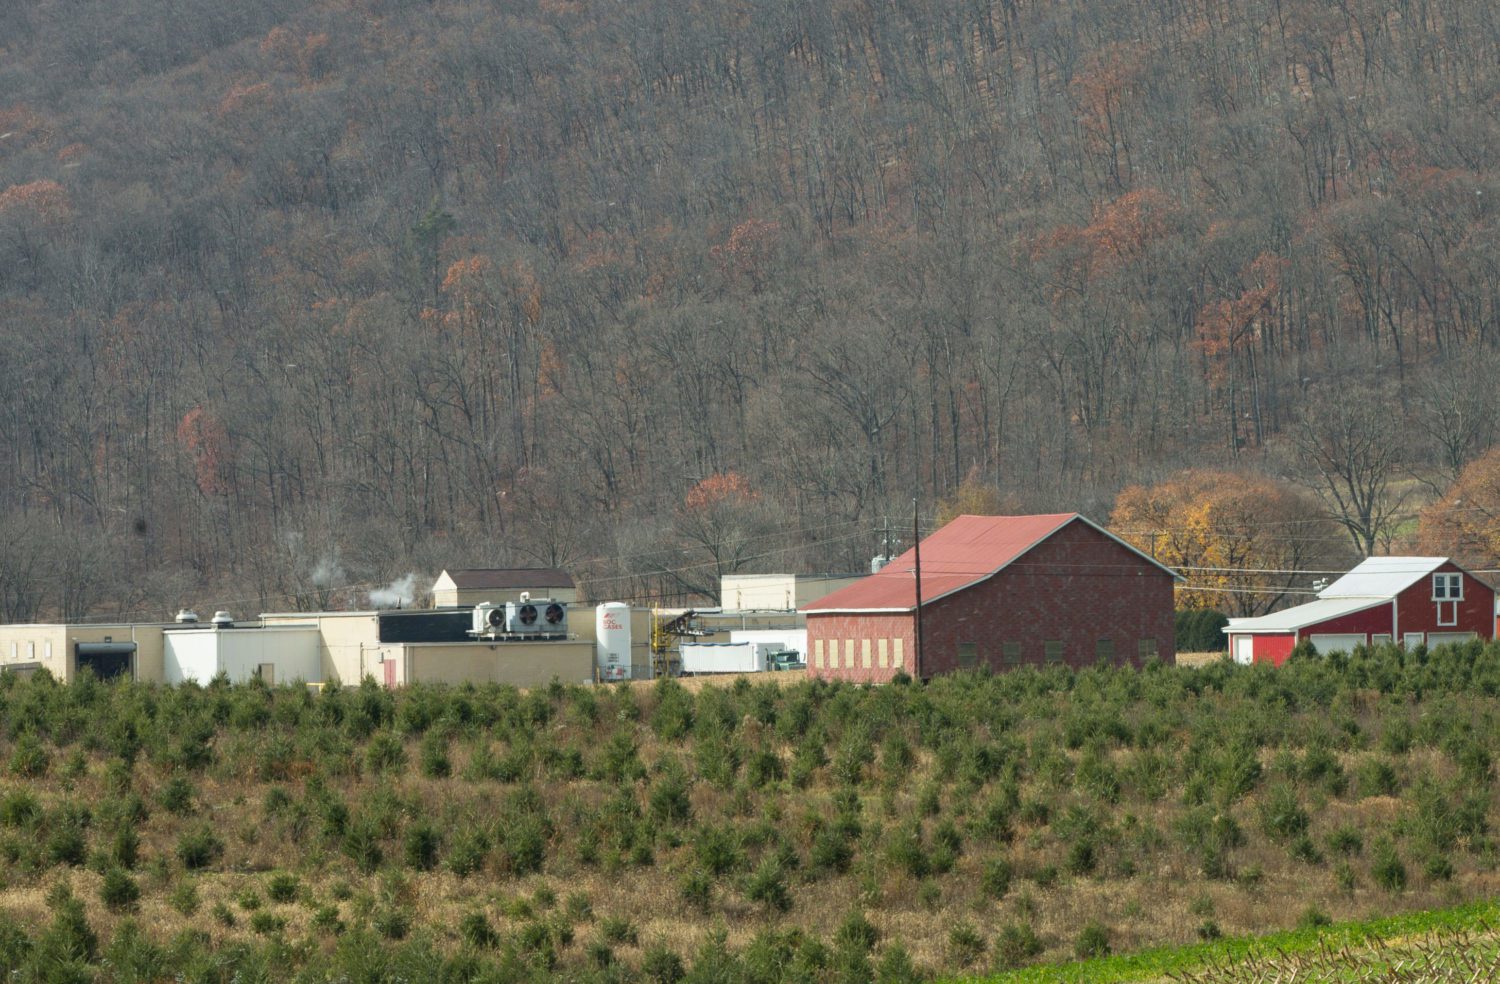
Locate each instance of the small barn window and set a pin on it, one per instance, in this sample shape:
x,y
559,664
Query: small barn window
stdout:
x,y
1146,648
968,655
1052,650
898,652
848,654
1104,649
864,653
1447,587
818,654
883,653
1010,652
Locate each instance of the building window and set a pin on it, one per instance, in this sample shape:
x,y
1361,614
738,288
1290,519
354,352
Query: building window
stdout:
x,y
833,654
883,653
1104,649
1010,652
47,651
864,653
1146,648
898,652
848,654
968,655
1052,650
1447,587
817,654
1380,640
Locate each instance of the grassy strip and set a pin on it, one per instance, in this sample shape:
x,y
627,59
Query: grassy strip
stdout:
x,y
1160,961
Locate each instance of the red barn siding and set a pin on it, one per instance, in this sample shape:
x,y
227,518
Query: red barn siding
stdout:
x,y
1076,587
1273,649
1370,621
1476,613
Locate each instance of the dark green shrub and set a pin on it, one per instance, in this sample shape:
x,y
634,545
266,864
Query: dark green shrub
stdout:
x,y
392,922
995,879
125,847
118,890
1387,868
660,965
420,846
198,848
362,846
524,844
1377,777
1281,814
326,920
184,898
718,850
433,756
1082,858
29,759
619,931
1093,941
965,945
1200,630
1438,867
19,808
767,885
467,853
1016,946
65,845
267,923
857,932
475,930
1345,840
385,753
1312,918
669,801
283,887
176,795
696,889
831,850
69,937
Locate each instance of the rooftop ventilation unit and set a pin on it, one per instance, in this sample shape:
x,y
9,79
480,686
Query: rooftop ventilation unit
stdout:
x,y
223,620
540,618
187,617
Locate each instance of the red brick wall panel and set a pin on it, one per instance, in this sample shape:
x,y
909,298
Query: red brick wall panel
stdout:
x,y
1077,587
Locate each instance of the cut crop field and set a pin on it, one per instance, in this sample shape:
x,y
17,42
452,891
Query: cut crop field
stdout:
x,y
757,830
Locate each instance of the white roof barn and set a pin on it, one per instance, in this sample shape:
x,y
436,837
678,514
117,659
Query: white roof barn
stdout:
x,y
1410,600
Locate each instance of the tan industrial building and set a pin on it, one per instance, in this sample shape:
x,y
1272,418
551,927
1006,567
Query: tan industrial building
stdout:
x,y
457,588
398,647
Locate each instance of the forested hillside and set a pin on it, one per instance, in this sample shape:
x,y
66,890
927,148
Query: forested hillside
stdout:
x,y
295,295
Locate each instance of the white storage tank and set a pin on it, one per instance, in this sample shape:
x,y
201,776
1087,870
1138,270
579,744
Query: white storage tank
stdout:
x,y
612,640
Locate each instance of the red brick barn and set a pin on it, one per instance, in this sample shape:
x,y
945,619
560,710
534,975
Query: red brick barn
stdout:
x,y
1410,600
998,592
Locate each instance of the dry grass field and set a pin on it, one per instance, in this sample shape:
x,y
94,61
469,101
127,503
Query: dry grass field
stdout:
x,y
725,827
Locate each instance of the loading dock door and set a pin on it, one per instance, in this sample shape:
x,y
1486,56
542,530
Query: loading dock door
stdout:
x,y
107,660
1326,644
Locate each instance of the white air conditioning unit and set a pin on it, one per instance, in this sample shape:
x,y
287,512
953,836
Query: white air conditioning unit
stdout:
x,y
489,619
536,617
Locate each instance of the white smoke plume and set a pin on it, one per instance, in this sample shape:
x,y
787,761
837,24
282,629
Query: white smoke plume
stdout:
x,y
398,594
328,573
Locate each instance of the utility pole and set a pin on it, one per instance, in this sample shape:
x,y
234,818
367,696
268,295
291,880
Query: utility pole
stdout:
x,y
916,539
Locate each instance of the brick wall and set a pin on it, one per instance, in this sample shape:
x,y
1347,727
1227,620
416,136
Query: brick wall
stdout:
x,y
1075,589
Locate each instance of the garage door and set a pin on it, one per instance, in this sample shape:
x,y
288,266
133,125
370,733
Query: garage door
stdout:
x,y
1326,644
1244,650
1435,639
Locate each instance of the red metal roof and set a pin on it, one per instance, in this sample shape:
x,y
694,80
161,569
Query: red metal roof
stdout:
x,y
966,551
